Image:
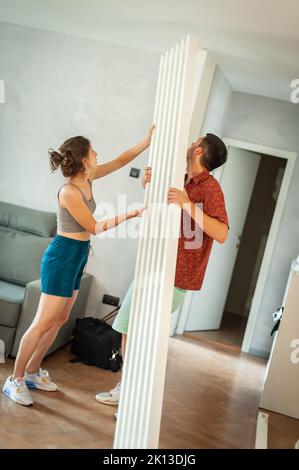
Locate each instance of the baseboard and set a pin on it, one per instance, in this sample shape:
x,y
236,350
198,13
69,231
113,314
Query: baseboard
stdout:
x,y
259,353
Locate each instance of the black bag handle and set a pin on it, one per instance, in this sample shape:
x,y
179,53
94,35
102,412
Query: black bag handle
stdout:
x,y
111,314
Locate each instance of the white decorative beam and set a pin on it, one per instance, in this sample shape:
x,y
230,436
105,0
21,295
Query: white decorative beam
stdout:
x,y
261,437
140,406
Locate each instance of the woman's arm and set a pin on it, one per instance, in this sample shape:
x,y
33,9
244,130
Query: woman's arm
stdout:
x,y
71,199
124,158
104,225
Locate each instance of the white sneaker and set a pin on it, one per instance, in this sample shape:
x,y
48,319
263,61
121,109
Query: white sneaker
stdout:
x,y
40,380
17,391
110,398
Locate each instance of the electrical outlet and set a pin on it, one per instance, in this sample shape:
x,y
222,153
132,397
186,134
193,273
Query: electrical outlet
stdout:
x,y
110,300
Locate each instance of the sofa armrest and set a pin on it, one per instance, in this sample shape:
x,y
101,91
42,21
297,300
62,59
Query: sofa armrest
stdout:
x,y
30,305
28,311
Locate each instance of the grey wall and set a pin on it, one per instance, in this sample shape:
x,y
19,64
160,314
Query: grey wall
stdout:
x,y
58,86
273,123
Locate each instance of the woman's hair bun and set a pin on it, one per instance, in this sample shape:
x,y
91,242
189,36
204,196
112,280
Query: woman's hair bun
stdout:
x,y
55,159
70,155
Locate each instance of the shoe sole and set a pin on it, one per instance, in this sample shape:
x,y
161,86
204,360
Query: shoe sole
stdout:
x,y
6,392
110,403
34,386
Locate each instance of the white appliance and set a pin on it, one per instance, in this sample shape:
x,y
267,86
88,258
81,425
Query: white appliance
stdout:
x,y
281,386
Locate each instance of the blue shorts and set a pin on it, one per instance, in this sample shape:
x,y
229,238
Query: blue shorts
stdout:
x,y
62,266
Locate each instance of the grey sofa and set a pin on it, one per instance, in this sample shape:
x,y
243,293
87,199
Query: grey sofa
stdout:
x,y
24,235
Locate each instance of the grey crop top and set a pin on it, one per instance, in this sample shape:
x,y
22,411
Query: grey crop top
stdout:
x,y
65,221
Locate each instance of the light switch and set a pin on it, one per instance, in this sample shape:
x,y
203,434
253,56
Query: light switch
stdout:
x,y
135,172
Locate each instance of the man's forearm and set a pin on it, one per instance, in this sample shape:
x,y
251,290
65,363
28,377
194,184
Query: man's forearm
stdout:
x,y
209,225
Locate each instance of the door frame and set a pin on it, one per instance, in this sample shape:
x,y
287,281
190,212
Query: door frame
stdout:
x,y
273,232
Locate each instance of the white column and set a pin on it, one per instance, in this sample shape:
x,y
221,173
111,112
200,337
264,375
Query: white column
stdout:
x,y
140,407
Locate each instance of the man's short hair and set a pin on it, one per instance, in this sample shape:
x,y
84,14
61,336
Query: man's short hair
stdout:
x,y
215,152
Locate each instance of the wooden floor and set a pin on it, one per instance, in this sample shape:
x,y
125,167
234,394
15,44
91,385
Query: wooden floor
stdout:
x,y
211,401
231,331
283,432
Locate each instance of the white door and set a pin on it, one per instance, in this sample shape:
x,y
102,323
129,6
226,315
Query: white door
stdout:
x,y
237,181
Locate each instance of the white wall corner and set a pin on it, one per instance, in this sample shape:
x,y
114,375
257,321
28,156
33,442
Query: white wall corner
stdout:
x,y
205,70
2,91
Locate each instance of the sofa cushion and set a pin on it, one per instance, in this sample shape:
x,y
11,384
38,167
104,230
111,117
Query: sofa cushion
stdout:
x,y
20,255
27,220
11,299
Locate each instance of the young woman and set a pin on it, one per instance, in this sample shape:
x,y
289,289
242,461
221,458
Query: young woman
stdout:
x,y
64,260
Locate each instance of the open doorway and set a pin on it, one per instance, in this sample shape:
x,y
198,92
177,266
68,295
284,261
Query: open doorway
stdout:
x,y
251,247
255,182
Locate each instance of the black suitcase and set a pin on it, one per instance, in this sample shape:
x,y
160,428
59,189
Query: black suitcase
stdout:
x,y
96,343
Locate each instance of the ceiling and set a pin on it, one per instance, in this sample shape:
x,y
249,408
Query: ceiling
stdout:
x,y
256,42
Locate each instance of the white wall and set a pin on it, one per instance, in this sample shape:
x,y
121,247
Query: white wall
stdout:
x,y
273,123
218,105
59,86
